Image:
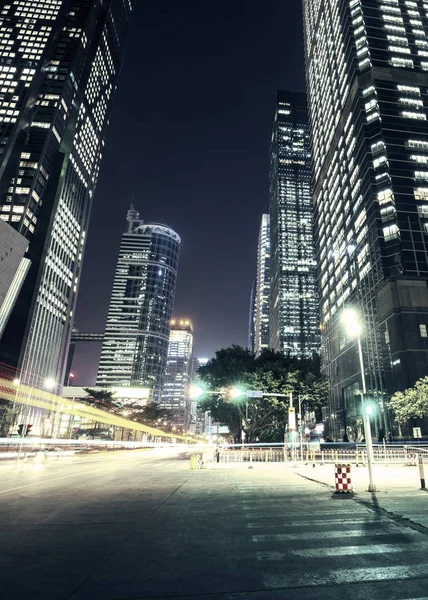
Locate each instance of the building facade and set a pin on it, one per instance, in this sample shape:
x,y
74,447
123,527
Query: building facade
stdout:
x,y
135,346
367,79
262,293
252,319
59,65
175,395
293,320
197,415
13,269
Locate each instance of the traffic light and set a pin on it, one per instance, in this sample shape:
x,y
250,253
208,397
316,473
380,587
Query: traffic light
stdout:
x,y
24,430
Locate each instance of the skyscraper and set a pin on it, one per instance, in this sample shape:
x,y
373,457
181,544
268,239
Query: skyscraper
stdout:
x,y
262,295
134,351
197,415
293,304
367,77
252,319
13,268
175,395
59,65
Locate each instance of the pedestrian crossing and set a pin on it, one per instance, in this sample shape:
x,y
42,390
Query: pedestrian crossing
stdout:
x,y
303,542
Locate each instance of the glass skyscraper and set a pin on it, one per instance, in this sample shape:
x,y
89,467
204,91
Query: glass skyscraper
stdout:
x,y
367,78
262,292
59,65
134,351
175,395
293,304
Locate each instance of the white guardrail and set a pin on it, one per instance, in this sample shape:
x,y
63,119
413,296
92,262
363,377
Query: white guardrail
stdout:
x,y
382,454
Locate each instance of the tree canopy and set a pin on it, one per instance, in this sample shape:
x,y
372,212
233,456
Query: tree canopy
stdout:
x,y
412,403
150,414
270,372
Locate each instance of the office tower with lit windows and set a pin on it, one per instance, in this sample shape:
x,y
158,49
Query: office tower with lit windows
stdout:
x,y
252,319
367,79
262,292
59,65
197,415
135,346
175,395
13,268
293,304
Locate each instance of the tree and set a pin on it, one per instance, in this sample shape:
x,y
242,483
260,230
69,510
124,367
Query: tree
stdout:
x,y
102,399
270,372
412,403
150,414
8,414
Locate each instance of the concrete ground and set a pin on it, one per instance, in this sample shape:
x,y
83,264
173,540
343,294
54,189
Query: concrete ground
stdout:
x,y
137,526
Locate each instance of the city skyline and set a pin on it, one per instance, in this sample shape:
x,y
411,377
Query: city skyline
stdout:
x,y
168,175
59,68
368,109
262,289
135,344
175,393
293,310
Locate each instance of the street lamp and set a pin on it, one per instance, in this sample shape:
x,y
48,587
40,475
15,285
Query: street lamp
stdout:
x,y
50,383
236,393
351,321
196,391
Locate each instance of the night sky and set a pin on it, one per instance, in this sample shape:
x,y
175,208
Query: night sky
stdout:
x,y
189,140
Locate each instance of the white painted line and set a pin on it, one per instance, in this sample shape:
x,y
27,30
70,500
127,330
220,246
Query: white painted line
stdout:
x,y
346,576
317,535
308,523
343,551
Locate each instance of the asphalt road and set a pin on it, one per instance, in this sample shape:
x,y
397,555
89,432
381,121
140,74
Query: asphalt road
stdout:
x,y
140,526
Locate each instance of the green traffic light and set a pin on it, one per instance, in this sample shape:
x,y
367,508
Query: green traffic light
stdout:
x,y
369,409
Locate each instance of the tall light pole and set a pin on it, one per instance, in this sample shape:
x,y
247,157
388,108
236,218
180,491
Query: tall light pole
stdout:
x,y
352,324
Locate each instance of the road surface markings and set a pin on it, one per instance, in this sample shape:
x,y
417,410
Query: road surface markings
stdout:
x,y
317,535
342,551
320,523
347,576
300,516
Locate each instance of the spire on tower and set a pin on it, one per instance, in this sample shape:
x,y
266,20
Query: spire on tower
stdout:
x,y
132,216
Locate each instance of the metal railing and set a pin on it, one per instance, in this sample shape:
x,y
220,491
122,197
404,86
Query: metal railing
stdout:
x,y
381,454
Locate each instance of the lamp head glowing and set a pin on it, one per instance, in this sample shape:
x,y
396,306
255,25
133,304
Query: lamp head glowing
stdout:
x,y
369,409
195,392
235,393
351,321
50,383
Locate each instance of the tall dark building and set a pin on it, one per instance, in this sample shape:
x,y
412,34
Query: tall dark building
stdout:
x,y
135,346
178,376
367,78
59,65
262,294
252,319
293,305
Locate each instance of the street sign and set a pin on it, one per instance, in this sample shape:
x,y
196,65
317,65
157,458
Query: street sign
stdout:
x,y
216,429
417,432
254,394
291,419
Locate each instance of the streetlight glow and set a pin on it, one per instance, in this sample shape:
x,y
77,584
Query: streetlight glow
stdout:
x,y
195,391
351,321
235,393
50,383
16,381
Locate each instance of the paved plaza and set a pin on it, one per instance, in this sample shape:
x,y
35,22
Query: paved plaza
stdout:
x,y
137,525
